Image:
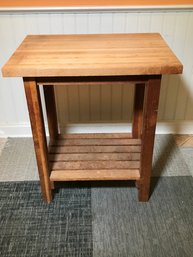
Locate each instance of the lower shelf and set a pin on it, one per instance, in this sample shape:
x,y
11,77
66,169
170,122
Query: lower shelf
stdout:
x,y
76,157
83,175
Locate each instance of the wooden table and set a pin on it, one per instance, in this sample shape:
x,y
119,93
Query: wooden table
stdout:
x,y
50,60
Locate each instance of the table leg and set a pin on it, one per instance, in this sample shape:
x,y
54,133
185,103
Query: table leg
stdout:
x,y
138,111
49,96
138,114
39,137
51,111
151,101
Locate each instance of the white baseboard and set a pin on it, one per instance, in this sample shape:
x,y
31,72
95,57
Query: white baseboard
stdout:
x,y
24,130
15,130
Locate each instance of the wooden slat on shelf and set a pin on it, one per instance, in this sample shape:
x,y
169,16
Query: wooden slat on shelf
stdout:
x,y
95,142
94,157
95,149
82,175
95,165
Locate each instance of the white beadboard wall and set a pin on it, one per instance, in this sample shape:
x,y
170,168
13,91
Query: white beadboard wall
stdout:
x,y
95,104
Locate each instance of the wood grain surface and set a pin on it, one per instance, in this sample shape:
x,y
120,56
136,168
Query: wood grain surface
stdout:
x,y
92,55
151,101
83,175
39,136
95,157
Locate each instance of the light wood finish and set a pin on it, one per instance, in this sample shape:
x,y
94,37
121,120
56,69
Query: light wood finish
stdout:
x,y
94,156
92,55
96,165
82,3
39,138
138,110
96,149
97,153
51,111
95,142
83,175
151,101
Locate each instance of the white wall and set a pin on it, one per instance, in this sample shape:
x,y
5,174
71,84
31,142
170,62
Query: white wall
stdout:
x,y
100,104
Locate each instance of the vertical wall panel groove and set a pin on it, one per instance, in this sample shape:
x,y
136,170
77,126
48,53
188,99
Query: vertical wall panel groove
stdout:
x,y
182,91
97,103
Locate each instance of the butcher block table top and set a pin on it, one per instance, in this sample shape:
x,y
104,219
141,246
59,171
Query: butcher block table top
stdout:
x,y
92,55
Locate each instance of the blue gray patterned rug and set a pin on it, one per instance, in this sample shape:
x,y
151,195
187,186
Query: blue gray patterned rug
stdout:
x,y
162,227
30,227
105,221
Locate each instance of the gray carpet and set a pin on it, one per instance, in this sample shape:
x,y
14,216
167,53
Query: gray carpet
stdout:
x,y
163,227
187,153
29,227
168,160
18,161
2,143
104,221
